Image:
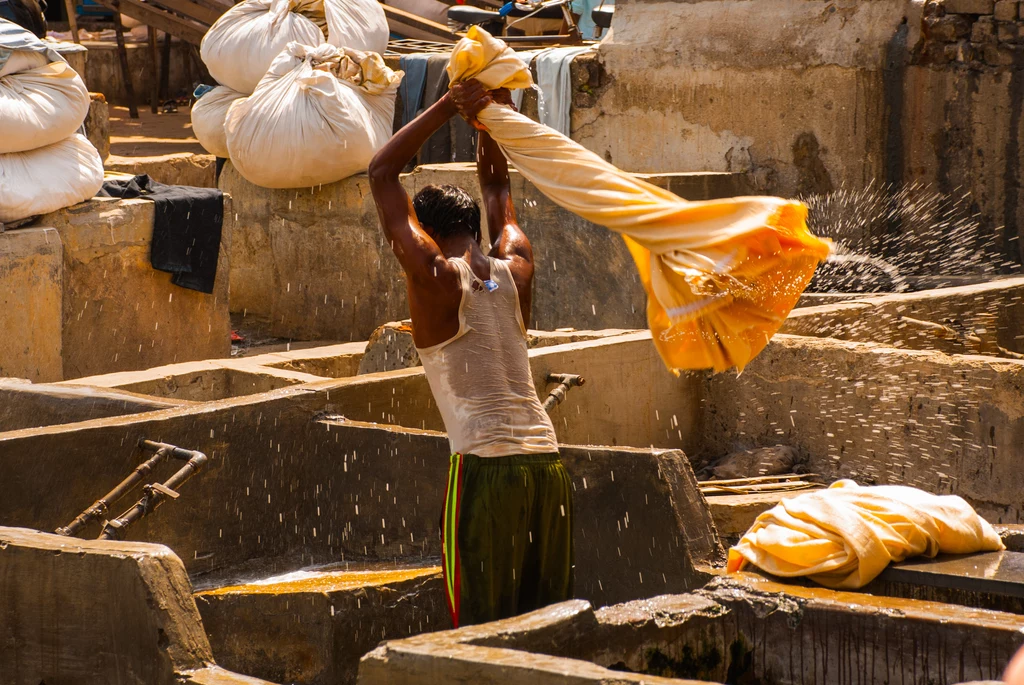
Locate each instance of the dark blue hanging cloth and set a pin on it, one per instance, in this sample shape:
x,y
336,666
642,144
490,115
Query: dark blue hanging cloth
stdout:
x,y
187,224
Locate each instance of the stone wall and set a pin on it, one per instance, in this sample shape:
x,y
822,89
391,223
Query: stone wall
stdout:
x,y
878,415
118,312
735,630
793,91
963,96
272,465
817,97
103,71
316,636
987,318
31,294
175,169
78,611
311,263
31,405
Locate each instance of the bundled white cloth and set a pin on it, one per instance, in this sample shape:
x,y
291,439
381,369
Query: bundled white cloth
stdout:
x,y
39,105
208,115
357,25
48,178
23,60
318,116
241,45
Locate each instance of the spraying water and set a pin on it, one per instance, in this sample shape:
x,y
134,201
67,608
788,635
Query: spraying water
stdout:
x,y
896,237
842,256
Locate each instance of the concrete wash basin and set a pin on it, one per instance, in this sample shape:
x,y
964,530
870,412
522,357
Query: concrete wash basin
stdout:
x,y
737,629
289,466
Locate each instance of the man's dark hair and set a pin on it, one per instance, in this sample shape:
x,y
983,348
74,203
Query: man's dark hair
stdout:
x,y
448,210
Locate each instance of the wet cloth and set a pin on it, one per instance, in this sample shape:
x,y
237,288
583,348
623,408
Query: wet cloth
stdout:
x,y
437,149
411,89
844,536
506,536
721,276
481,378
187,225
554,102
527,58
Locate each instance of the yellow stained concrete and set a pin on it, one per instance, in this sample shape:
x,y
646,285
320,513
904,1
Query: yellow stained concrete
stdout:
x,y
119,313
327,581
31,268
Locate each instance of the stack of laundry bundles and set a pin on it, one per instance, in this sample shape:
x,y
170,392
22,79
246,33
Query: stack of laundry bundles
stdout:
x,y
304,96
45,163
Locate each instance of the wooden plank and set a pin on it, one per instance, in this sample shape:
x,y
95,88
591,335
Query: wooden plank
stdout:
x,y
400,19
763,487
122,57
154,71
69,7
759,479
190,9
185,29
219,5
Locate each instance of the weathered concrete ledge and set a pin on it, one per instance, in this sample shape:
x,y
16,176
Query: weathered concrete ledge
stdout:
x,y
391,346
217,379
178,168
102,71
311,264
89,265
737,628
879,415
499,652
223,517
27,405
97,124
95,611
971,319
316,636
31,297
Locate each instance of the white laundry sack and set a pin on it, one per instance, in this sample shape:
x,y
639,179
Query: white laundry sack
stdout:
x,y
208,115
318,116
48,178
40,106
357,25
23,60
241,45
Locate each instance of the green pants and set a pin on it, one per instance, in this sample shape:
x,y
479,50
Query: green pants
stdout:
x,y
506,536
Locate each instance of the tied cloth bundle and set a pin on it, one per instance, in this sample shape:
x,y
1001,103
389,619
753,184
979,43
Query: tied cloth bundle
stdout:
x,y
721,276
844,536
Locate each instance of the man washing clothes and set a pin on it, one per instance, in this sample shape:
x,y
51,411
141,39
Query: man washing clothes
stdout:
x,y
507,522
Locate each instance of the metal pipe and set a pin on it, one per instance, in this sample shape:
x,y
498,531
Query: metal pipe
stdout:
x,y
176,452
100,507
565,382
154,495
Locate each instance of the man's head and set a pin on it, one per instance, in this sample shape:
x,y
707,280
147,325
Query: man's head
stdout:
x,y
445,211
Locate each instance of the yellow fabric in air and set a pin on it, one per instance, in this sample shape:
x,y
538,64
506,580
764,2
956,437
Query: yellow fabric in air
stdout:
x,y
721,276
844,536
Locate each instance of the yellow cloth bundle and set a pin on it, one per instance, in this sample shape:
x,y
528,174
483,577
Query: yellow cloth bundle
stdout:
x,y
844,536
721,276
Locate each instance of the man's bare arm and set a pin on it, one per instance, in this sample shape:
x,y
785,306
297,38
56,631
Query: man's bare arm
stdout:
x,y
417,252
508,242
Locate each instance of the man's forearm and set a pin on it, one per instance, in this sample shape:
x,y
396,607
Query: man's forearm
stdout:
x,y
492,167
403,146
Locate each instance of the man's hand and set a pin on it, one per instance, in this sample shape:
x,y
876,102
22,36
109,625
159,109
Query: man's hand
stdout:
x,y
470,97
503,96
